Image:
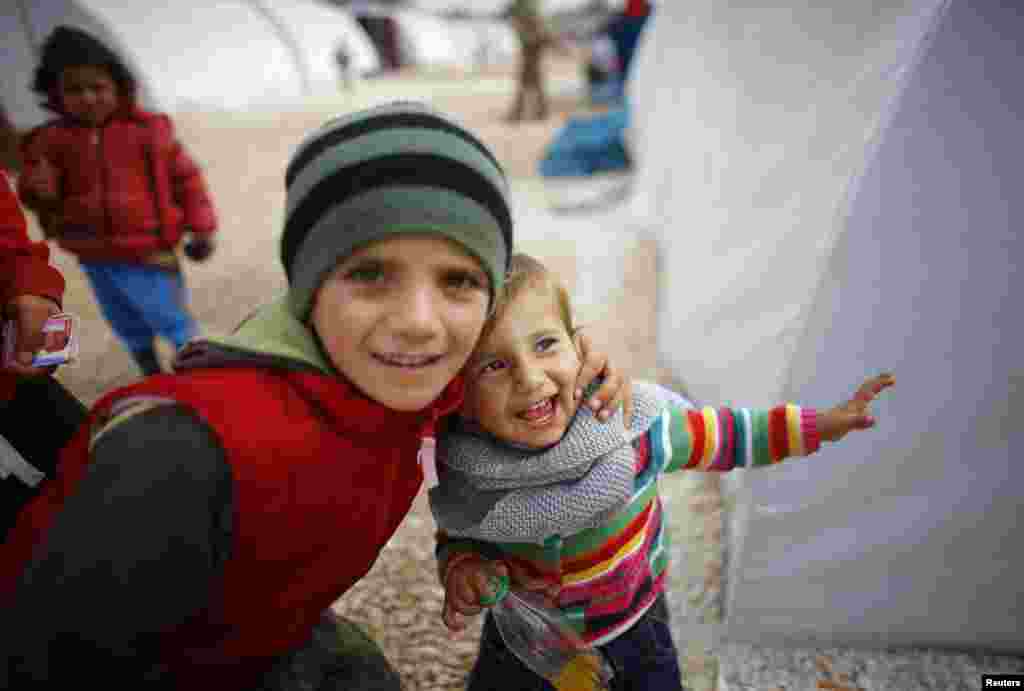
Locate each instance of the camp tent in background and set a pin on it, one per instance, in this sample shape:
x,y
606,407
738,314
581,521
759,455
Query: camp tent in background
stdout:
x,y
248,53
494,7
410,36
836,191
317,32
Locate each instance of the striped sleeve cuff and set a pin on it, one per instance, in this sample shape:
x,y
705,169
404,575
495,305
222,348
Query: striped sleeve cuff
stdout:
x,y
809,428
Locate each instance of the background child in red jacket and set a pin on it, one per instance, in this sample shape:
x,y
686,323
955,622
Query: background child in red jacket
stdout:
x,y
114,186
37,415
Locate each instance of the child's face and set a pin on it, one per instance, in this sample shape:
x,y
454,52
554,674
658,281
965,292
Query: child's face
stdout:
x,y
521,380
400,317
88,93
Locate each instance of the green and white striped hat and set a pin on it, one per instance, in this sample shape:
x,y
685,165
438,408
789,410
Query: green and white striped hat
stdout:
x,y
393,169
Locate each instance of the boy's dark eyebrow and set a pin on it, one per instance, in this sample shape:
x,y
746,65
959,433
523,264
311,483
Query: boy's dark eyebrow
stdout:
x,y
385,263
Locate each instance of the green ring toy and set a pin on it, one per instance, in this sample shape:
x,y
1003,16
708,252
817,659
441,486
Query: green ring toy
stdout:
x,y
499,586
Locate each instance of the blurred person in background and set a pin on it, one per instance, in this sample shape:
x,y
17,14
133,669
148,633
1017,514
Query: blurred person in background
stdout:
x,y
115,187
534,38
37,414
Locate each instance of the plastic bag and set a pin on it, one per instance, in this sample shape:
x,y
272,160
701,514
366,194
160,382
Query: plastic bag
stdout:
x,y
541,638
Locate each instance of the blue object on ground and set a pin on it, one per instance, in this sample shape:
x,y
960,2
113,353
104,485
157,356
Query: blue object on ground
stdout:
x,y
588,145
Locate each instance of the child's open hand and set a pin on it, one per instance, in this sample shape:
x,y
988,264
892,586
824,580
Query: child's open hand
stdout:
x,y
836,423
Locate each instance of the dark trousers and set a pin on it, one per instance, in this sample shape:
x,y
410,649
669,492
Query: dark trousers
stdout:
x,y
37,422
531,86
644,658
339,656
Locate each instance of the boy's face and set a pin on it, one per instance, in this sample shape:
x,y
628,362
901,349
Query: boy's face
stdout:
x,y
520,382
88,93
400,317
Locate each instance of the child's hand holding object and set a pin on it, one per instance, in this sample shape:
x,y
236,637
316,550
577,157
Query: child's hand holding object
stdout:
x,y
469,582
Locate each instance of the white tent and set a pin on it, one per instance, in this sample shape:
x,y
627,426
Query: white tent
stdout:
x,y
427,40
493,7
835,192
317,33
225,55
424,40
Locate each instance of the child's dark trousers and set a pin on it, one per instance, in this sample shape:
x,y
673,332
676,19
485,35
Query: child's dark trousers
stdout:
x,y
644,659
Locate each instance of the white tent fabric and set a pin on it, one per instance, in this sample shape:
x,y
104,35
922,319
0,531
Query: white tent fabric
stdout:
x,y
24,25
423,39
833,191
493,7
430,41
318,31
225,55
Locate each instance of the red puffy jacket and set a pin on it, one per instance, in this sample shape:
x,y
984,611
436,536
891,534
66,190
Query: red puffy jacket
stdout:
x,y
322,477
24,265
127,189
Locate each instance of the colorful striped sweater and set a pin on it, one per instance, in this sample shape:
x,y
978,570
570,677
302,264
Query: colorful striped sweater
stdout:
x,y
611,574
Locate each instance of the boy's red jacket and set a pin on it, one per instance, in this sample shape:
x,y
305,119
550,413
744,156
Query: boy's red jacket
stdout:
x,y
127,189
24,265
320,477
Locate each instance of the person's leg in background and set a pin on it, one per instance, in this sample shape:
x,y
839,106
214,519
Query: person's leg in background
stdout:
x,y
532,80
338,657
38,422
113,285
165,304
539,86
519,104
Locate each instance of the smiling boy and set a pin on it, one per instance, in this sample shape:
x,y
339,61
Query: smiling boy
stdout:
x,y
204,522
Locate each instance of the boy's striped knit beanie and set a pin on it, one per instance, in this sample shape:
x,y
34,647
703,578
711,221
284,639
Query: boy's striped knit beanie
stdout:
x,y
396,168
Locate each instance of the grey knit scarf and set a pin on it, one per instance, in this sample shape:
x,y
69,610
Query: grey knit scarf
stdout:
x,y
491,490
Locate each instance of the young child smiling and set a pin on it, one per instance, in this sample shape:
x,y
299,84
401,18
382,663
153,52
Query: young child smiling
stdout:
x,y
531,484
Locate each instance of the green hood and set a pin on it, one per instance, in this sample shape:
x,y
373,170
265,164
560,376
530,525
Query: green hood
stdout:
x,y
270,336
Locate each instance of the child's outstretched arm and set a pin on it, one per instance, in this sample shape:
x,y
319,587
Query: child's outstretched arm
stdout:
x,y
719,440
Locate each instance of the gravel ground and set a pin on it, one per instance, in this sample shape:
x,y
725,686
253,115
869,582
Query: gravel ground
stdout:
x,y
754,668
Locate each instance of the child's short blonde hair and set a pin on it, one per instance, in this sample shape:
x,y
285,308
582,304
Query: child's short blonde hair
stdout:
x,y
526,273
